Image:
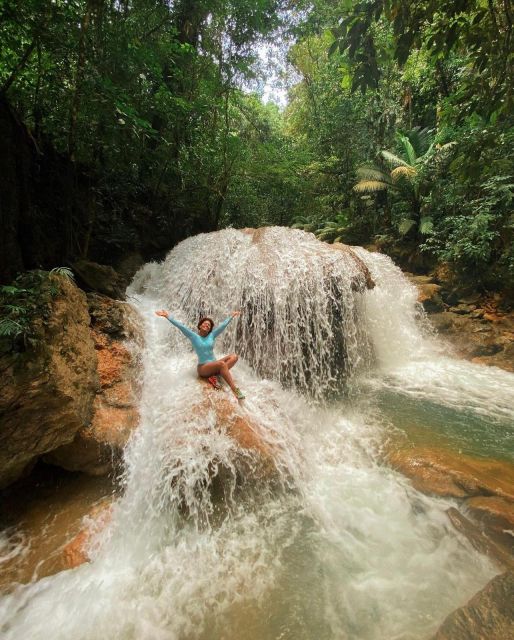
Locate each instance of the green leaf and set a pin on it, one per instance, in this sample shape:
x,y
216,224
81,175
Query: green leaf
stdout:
x,y
333,48
406,225
426,225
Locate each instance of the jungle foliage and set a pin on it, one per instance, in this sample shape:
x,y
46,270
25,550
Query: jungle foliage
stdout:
x,y
421,95
398,129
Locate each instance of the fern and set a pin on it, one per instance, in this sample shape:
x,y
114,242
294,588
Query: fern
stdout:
x,y
10,328
63,271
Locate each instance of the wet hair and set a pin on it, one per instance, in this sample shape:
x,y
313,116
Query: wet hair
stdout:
x,y
202,320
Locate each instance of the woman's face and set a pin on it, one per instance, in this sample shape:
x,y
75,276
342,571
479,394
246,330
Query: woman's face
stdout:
x,y
205,328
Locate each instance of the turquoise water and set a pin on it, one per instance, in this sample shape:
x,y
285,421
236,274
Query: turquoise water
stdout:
x,y
426,422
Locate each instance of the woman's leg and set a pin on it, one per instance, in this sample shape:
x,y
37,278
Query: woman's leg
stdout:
x,y
230,360
218,367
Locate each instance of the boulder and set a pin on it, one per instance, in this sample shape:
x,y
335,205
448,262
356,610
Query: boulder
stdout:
x,y
98,447
358,284
48,391
444,473
481,540
230,420
77,550
486,485
475,336
363,268
100,277
489,615
494,513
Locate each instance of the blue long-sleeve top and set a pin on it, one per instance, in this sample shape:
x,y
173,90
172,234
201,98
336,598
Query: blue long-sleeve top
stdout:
x,y
203,345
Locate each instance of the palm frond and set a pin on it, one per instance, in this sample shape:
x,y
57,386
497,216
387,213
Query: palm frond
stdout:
x,y
408,149
393,159
421,139
372,173
403,172
63,271
370,186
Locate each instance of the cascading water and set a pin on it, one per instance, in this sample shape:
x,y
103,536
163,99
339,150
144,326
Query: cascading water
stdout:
x,y
332,544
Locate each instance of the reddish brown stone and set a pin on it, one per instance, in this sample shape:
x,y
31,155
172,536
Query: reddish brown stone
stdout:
x,y
76,550
444,473
99,446
47,393
489,615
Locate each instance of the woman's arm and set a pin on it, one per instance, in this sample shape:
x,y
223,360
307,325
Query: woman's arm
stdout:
x,y
221,327
185,330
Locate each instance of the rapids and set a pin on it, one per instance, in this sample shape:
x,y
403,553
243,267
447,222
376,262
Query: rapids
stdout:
x,y
341,546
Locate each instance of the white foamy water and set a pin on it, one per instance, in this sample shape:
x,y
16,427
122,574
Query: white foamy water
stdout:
x,y
330,545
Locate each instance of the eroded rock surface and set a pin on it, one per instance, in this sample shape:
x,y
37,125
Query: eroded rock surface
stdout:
x,y
77,550
47,392
229,420
97,448
475,325
448,474
489,615
100,277
486,488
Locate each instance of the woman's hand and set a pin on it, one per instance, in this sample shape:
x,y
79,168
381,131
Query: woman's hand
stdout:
x,y
163,313
235,313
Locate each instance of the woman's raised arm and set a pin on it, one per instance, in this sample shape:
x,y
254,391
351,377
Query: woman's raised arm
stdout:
x,y
185,330
222,326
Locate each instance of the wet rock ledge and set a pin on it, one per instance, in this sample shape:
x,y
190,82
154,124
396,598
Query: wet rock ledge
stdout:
x,y
478,327
70,398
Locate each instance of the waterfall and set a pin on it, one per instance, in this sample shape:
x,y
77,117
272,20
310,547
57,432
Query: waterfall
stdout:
x,y
332,544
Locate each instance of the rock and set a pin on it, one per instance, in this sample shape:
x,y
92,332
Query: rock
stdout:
x,y
360,263
430,297
429,292
478,339
496,513
489,615
100,277
98,447
48,392
443,473
419,280
230,420
128,267
76,551
444,274
358,284
480,539
463,308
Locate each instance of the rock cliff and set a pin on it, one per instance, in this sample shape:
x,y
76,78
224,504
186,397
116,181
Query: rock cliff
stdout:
x,y
48,391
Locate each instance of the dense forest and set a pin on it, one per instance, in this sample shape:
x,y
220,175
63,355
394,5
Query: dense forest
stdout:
x,y
128,125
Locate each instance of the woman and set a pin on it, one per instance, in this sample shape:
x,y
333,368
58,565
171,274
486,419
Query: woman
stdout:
x,y
203,344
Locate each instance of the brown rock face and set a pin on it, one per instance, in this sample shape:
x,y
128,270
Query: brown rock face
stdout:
x,y
47,392
76,551
489,615
228,419
497,513
444,473
481,540
98,447
429,292
486,485
100,277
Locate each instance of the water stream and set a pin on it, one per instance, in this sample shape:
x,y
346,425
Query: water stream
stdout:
x,y
332,544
